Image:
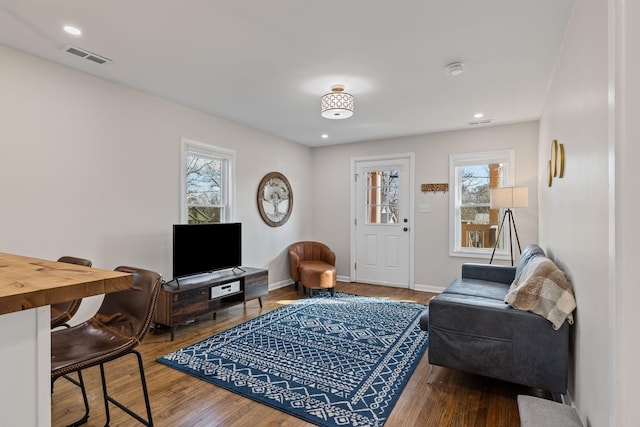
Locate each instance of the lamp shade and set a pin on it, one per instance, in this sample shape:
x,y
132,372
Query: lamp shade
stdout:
x,y
509,197
337,104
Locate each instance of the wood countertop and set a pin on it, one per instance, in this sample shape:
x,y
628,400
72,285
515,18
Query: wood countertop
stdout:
x,y
31,282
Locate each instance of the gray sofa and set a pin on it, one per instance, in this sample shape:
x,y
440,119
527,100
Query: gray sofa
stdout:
x,y
472,329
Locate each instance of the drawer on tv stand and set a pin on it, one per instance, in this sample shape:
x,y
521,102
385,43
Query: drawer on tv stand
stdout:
x,y
179,306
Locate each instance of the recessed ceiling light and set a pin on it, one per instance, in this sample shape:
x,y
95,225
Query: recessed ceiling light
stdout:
x,y
479,122
324,136
72,30
478,115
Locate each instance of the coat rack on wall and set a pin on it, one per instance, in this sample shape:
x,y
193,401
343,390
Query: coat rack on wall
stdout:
x,y
444,187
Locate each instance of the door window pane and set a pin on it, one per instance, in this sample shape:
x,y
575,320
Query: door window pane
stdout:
x,y
382,197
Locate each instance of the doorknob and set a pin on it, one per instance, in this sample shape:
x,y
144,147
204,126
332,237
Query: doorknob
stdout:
x,y
405,229
405,220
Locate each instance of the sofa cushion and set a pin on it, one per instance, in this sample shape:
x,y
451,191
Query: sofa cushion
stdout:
x,y
489,272
316,274
478,288
531,251
542,288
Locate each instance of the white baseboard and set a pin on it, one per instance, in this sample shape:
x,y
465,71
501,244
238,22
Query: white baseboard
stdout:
x,y
428,288
417,287
280,284
287,282
567,399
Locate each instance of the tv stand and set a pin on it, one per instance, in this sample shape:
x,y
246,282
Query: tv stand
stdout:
x,y
207,293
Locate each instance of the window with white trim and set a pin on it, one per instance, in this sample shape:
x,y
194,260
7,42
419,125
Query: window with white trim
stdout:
x,y
207,183
474,226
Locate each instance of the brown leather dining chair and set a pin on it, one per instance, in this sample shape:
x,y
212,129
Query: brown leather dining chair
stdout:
x,y
114,331
62,312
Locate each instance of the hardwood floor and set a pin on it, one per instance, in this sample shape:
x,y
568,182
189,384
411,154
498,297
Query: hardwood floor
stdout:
x,y
452,399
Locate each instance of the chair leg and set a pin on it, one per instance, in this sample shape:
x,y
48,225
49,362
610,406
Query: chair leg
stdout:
x,y
148,422
429,374
79,383
332,292
104,394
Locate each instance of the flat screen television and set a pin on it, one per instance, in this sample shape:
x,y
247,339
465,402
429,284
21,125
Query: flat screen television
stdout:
x,y
204,248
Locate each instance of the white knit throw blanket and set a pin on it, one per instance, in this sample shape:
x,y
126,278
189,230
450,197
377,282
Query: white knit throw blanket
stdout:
x,y
542,288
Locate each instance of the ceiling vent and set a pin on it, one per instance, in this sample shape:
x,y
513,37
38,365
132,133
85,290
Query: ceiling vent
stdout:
x,y
85,54
455,69
479,122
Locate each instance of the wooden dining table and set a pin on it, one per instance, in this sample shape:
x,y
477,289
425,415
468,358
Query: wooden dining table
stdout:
x,y
28,286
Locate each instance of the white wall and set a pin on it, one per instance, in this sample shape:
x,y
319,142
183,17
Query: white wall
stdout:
x,y
434,268
575,215
90,168
588,219
626,34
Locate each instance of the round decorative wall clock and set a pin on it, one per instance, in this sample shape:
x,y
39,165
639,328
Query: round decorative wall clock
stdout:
x,y
275,199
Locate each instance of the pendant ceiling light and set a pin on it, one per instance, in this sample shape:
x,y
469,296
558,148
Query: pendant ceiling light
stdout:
x,y
337,104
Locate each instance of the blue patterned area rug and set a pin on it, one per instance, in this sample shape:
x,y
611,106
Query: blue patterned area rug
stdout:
x,y
340,361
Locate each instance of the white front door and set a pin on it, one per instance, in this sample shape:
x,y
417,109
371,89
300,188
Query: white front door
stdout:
x,y
382,221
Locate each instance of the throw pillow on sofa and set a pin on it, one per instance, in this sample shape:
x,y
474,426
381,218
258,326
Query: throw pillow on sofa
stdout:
x,y
542,288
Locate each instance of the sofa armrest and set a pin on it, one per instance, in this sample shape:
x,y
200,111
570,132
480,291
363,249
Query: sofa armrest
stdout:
x,y
488,272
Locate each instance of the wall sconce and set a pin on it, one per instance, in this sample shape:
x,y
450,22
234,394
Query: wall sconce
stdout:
x,y
555,166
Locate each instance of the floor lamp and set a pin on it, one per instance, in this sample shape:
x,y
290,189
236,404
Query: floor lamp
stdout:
x,y
508,198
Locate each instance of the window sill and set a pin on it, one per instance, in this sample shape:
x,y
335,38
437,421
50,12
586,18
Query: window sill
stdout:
x,y
501,255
